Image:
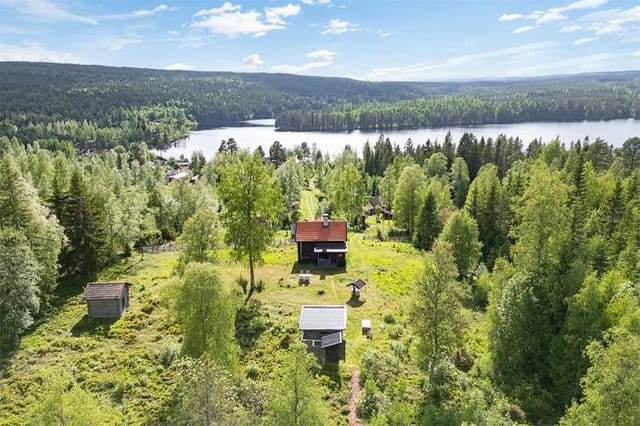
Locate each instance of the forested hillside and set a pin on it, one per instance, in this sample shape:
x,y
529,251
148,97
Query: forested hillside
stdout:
x,y
566,101
96,107
504,290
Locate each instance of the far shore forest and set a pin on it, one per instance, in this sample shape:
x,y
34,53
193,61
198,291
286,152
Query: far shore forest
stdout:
x,y
504,290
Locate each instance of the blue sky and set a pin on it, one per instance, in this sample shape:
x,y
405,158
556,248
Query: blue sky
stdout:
x,y
372,40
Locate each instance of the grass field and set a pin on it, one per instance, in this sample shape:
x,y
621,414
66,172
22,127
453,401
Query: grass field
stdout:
x,y
124,361
308,205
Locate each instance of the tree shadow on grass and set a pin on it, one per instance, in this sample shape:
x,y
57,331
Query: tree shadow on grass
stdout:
x,y
93,326
332,371
6,353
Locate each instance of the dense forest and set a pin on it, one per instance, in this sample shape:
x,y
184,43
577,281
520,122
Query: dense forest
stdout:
x,y
602,101
97,107
523,305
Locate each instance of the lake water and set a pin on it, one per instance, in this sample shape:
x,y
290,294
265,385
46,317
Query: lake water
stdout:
x,y
262,133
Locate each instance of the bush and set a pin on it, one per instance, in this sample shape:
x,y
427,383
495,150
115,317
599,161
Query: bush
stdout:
x,y
243,283
389,319
252,371
396,331
169,354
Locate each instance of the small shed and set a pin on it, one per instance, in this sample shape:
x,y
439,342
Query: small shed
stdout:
x,y
106,299
357,286
323,329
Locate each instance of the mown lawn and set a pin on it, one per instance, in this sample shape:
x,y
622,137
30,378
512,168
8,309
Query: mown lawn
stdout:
x,y
128,361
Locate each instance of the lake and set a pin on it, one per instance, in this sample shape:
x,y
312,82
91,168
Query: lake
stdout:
x,y
262,132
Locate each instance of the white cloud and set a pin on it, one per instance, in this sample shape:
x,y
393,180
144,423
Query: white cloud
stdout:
x,y
636,53
505,17
33,52
178,67
275,15
225,8
584,40
451,67
252,61
312,2
145,12
524,29
553,14
323,58
43,10
613,21
230,20
591,63
325,54
338,26
585,4
118,43
300,69
550,15
383,33
571,28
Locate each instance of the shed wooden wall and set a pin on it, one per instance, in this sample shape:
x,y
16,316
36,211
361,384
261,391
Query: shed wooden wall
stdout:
x,y
105,308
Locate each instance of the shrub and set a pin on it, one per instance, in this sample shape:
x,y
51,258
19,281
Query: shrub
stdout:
x,y
396,331
252,371
243,283
169,354
389,319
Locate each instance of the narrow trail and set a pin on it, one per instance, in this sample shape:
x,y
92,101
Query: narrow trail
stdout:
x,y
354,384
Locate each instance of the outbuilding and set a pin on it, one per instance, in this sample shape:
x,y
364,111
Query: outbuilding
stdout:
x,y
323,329
106,299
323,242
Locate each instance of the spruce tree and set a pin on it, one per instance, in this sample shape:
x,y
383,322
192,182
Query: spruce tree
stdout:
x,y
429,223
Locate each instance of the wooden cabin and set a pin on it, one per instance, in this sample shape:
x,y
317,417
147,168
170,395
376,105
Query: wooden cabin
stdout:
x,y
106,300
322,328
323,242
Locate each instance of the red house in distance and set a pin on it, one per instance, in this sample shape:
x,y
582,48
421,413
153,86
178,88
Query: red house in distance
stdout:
x,y
323,242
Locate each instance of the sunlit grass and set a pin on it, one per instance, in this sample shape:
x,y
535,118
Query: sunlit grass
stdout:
x,y
122,360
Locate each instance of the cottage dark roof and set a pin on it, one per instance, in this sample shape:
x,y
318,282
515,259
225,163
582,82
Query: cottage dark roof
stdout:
x,y
323,317
104,291
313,231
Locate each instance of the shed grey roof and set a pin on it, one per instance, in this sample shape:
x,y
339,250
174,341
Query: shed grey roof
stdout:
x,y
323,317
104,291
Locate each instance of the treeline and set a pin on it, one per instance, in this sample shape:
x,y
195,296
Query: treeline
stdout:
x,y
600,102
159,126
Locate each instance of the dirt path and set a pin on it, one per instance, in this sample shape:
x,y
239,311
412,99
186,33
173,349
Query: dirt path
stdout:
x,y
354,383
